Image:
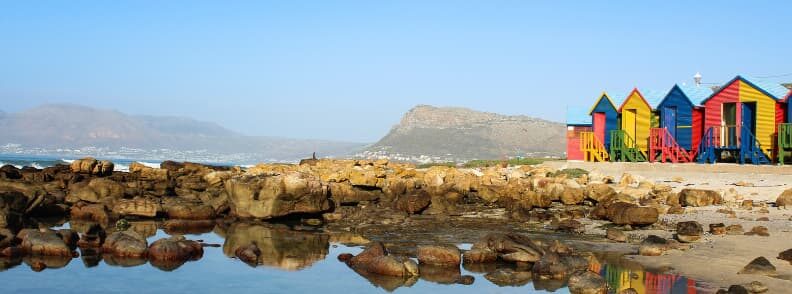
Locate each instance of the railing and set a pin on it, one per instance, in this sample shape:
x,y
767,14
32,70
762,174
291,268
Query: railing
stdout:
x,y
623,147
784,141
661,140
592,148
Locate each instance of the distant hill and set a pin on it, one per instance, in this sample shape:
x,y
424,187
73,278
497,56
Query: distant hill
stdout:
x,y
460,133
75,126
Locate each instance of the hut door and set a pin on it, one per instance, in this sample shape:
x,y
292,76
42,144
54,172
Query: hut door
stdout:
x,y
629,122
729,125
670,120
599,126
749,116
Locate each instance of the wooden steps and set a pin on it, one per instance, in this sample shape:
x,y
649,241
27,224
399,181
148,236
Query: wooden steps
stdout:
x,y
592,148
624,148
664,146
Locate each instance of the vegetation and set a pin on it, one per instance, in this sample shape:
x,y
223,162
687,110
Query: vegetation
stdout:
x,y
572,173
428,165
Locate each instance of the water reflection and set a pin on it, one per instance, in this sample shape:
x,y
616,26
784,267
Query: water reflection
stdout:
x,y
290,257
278,245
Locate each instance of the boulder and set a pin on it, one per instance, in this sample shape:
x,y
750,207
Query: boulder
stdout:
x,y
622,213
346,193
444,255
509,277
484,255
136,207
510,247
268,196
276,247
587,283
759,266
10,172
717,229
758,231
91,166
572,196
95,191
785,199
90,211
699,197
735,229
125,244
689,231
12,207
190,211
43,242
599,192
413,203
653,246
170,253
616,235
375,260
786,255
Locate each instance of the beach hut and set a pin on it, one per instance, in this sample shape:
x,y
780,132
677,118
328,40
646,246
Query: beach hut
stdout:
x,y
577,121
631,141
673,138
604,119
741,118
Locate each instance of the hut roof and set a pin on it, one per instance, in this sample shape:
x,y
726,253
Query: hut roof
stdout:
x,y
696,94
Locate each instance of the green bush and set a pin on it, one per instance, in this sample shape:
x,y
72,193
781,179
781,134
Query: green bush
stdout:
x,y
572,173
510,162
428,165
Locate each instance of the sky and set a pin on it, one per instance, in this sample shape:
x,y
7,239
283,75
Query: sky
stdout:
x,y
348,70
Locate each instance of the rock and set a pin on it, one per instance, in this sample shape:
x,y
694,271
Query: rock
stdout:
x,y
190,211
170,253
747,204
572,196
689,231
622,213
374,259
510,247
10,172
43,242
785,199
699,197
12,207
735,229
599,192
615,235
628,291
759,231
717,229
587,283
148,173
125,244
95,191
91,166
758,266
653,246
551,266
92,237
755,287
786,255
248,254
138,207
269,196
479,256
277,247
445,255
345,193
413,203
571,226
627,180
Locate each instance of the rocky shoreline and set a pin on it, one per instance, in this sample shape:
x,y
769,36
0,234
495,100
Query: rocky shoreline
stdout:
x,y
401,212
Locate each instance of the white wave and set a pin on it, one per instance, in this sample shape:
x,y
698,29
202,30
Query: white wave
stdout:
x,y
125,168
69,161
150,164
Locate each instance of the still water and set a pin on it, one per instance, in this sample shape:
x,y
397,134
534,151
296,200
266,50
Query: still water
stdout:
x,y
292,262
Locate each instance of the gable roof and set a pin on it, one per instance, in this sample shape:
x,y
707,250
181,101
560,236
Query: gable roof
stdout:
x,y
607,98
577,116
771,89
653,97
635,91
694,94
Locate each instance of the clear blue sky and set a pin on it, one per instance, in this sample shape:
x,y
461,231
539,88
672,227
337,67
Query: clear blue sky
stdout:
x,y
348,70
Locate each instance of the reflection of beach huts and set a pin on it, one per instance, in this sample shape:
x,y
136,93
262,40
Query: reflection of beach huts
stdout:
x,y
740,118
678,133
577,121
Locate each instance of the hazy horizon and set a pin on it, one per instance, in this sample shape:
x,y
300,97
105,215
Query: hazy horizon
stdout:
x,y
347,71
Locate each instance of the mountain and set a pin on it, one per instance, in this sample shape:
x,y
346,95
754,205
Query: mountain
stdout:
x,y
452,133
67,126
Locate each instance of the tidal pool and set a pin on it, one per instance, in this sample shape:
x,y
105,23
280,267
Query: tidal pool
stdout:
x,y
292,261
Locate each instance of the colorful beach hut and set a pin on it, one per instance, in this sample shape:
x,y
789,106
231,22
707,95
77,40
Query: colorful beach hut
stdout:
x,y
741,118
631,141
604,119
784,145
673,138
577,121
